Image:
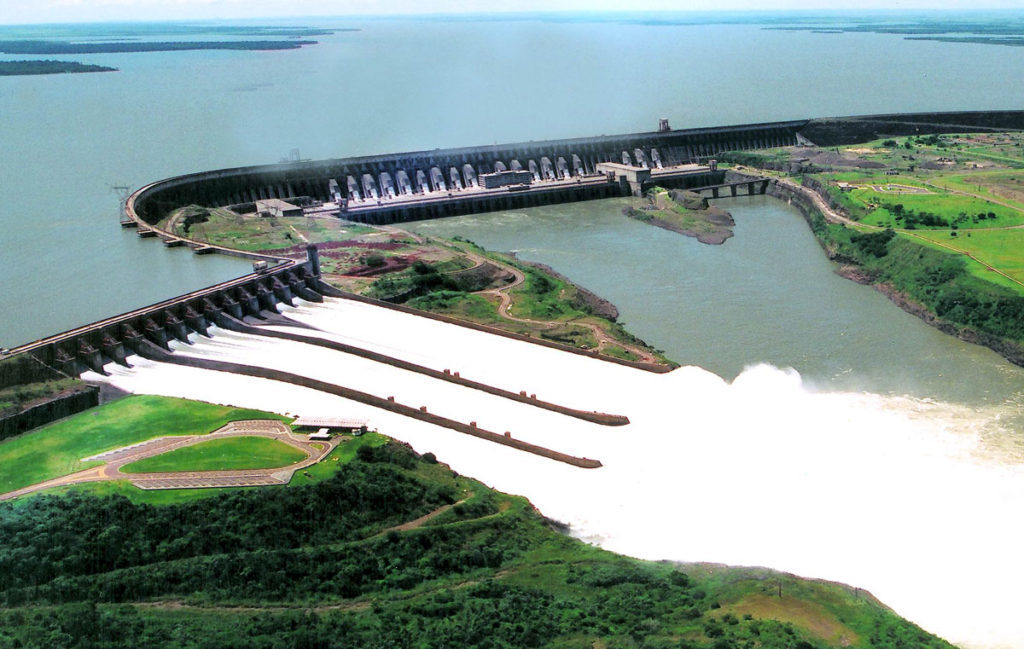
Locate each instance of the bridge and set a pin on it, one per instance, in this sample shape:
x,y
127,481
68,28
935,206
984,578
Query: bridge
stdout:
x,y
753,187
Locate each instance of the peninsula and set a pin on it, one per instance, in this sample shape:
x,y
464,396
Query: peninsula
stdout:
x,y
19,68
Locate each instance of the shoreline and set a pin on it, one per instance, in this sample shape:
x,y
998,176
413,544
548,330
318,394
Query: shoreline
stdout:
x,y
715,239
1009,350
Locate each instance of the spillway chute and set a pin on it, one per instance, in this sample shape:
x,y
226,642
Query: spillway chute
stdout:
x,y
563,168
402,180
577,164
469,175
353,189
453,173
422,184
387,185
437,180
656,158
370,187
641,159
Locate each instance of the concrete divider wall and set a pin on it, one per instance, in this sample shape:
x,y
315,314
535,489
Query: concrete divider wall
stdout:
x,y
602,418
362,397
49,411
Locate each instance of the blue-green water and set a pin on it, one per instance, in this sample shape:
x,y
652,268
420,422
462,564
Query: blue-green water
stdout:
x,y
407,85
768,295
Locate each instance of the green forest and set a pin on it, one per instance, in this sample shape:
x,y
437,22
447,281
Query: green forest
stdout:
x,y
357,560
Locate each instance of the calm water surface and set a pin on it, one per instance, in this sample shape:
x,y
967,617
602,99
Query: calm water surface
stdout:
x,y
768,295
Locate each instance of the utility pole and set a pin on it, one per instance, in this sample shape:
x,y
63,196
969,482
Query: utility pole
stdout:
x,y
123,192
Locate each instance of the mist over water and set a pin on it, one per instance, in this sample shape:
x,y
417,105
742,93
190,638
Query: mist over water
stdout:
x,y
897,495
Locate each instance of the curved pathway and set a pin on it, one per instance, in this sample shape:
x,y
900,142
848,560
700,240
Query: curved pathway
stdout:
x,y
519,277
116,459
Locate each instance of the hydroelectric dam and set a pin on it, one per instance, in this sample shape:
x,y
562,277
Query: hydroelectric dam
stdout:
x,y
399,187
429,184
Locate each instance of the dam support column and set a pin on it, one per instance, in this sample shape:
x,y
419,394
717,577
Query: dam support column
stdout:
x,y
65,362
249,303
265,298
156,334
176,327
313,258
282,291
114,350
231,306
196,321
90,356
131,338
300,289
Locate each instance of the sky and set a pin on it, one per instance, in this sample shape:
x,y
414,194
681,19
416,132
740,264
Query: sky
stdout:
x,y
58,11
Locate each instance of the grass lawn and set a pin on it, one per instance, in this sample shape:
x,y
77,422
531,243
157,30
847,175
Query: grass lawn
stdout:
x,y
250,232
1002,249
57,449
228,454
322,470
943,204
1002,185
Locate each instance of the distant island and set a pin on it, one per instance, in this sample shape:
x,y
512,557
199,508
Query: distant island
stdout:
x,y
117,47
21,68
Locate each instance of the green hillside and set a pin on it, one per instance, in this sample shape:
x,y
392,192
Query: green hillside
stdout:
x,y
383,548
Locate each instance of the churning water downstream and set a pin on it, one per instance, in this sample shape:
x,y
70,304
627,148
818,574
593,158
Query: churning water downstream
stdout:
x,y
898,495
905,482
889,458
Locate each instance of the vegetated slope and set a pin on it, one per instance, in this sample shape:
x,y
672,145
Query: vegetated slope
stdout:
x,y
356,561
939,220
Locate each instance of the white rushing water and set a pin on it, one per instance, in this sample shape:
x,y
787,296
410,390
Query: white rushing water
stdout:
x,y
895,495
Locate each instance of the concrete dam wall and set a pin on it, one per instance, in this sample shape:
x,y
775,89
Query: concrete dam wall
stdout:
x,y
438,183
399,187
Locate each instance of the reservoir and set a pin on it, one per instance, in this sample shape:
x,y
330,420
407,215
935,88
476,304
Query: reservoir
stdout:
x,y
396,85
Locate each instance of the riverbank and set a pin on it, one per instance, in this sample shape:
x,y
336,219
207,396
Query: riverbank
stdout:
x,y
452,278
901,281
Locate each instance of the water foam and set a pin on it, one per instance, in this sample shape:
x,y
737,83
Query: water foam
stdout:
x,y
896,495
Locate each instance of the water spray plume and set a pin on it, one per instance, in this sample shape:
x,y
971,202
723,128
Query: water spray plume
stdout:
x,y
900,496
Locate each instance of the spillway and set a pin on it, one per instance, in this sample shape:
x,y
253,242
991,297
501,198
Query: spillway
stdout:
x,y
895,495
